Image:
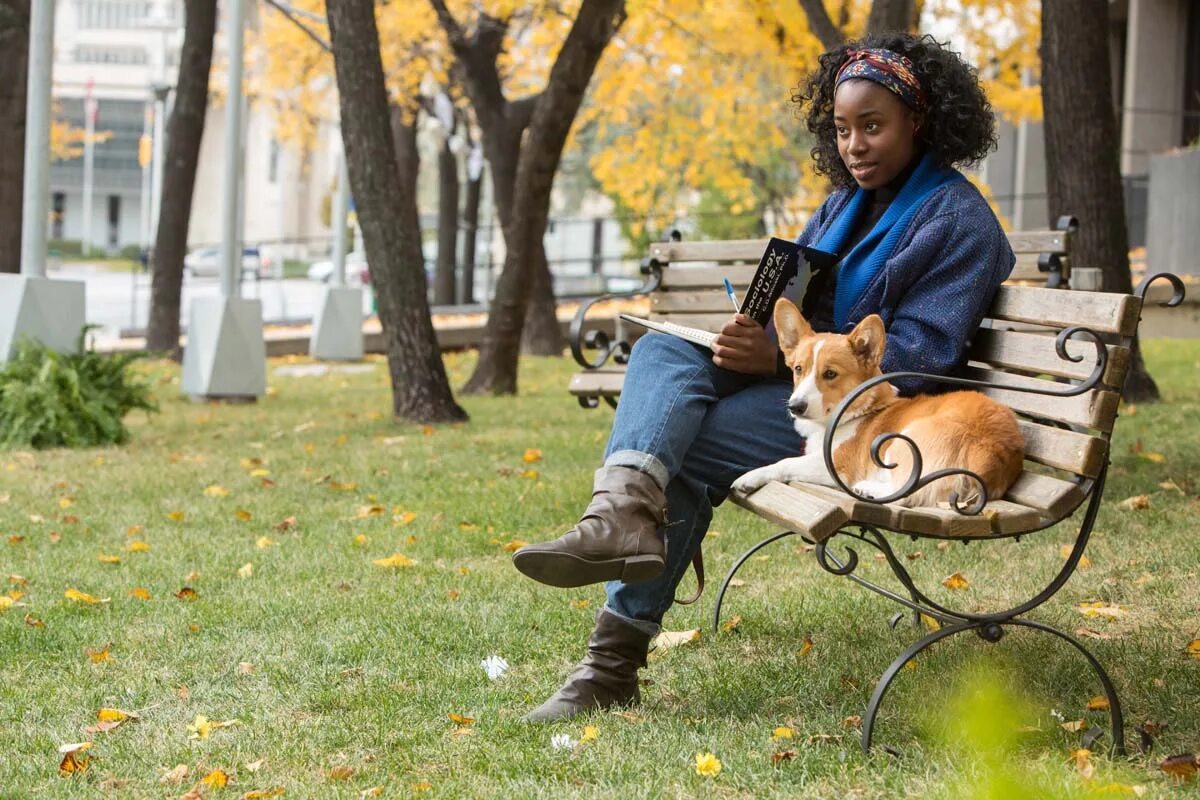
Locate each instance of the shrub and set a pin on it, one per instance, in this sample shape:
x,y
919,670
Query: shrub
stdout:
x,y
80,399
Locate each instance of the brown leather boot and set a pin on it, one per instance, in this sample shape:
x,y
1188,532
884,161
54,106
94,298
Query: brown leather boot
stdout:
x,y
616,539
607,676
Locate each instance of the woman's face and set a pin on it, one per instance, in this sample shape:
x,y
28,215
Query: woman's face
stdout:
x,y
876,132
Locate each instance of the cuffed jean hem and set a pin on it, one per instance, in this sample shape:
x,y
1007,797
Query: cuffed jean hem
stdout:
x,y
642,462
645,626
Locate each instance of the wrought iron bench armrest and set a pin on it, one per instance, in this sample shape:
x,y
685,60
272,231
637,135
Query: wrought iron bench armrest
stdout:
x,y
915,479
597,339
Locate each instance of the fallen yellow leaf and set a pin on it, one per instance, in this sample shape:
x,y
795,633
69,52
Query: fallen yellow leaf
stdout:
x,y
1083,763
98,656
782,732
956,582
6,602
1074,726
137,547
80,597
398,560
1157,458
245,570
187,593
264,542
590,733
668,639
176,516
1099,608
341,773
243,515
732,623
1097,703
1138,502
806,645
202,726
216,490
263,794
139,593
72,761
107,559
1193,649
460,719
532,455
217,779
115,715
514,545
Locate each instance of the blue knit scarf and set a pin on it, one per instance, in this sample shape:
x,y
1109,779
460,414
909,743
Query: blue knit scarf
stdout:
x,y
867,257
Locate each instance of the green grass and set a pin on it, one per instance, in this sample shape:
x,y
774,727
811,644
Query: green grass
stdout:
x,y
359,665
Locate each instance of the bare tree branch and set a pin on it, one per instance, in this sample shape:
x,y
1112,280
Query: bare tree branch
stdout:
x,y
291,17
820,24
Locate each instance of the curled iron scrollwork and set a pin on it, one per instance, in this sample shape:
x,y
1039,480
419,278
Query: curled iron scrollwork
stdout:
x,y
915,479
597,339
1178,290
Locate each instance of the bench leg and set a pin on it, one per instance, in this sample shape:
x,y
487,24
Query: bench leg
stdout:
x,y
992,632
738,565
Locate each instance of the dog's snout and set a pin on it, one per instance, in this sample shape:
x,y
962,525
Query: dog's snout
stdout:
x,y
797,406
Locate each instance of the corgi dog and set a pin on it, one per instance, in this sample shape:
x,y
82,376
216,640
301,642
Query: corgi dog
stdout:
x,y
959,429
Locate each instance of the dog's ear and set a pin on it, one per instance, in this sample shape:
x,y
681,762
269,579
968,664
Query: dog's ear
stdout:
x,y
867,341
790,324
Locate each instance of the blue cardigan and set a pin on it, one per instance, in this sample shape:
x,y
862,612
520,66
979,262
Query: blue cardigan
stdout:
x,y
934,289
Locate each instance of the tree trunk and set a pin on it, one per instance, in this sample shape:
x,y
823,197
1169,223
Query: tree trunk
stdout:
x,y
443,281
552,114
14,63
892,15
387,212
184,133
470,237
1083,173
542,335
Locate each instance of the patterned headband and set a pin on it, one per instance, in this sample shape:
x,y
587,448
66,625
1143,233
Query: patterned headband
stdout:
x,y
887,68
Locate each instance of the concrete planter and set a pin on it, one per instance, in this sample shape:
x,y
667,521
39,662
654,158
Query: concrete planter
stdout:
x,y
1173,225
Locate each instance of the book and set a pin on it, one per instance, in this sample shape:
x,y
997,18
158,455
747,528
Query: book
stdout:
x,y
777,268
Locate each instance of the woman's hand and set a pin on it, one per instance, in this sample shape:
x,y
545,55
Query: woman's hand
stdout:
x,y
743,346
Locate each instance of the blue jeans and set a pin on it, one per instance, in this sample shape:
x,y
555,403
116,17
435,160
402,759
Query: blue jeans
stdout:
x,y
694,428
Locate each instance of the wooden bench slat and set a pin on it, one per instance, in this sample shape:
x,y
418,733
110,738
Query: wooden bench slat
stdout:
x,y
1054,497
1045,241
600,382
695,301
999,518
1095,409
1034,352
680,277
795,510
727,250
1062,449
1101,311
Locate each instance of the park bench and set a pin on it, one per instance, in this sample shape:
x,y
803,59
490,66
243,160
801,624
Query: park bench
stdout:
x,y
1058,358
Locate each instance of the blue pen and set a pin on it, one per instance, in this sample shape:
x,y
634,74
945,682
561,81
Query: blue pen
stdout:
x,y
737,307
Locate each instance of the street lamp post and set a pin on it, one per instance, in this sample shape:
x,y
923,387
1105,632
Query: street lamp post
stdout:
x,y
32,305
225,355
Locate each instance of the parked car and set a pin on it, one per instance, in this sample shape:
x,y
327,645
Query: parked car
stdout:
x,y
356,269
206,261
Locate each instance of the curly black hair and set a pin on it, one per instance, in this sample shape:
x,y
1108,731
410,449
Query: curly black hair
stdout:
x,y
959,127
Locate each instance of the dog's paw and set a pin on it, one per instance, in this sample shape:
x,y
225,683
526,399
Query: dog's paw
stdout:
x,y
752,481
872,489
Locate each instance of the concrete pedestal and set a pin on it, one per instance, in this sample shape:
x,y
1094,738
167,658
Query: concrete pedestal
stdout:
x,y
337,326
225,356
46,310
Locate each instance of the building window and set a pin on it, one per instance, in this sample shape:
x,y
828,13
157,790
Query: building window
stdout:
x,y
100,54
273,162
113,14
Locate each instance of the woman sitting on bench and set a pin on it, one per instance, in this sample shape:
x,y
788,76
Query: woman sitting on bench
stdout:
x,y
916,243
